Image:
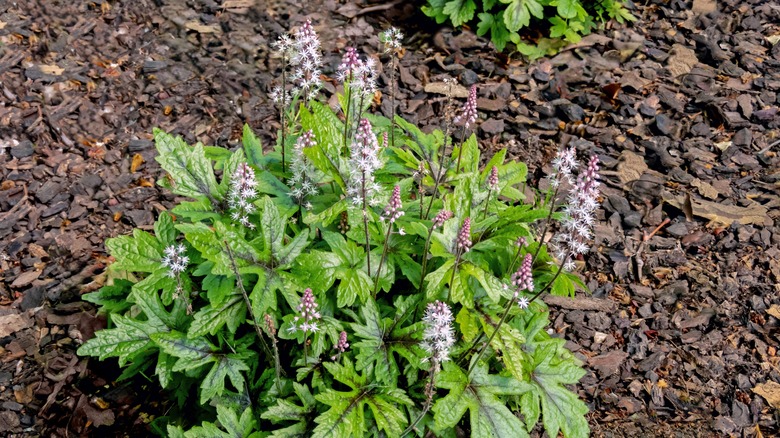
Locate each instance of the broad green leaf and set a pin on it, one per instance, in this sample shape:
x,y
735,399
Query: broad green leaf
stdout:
x,y
435,280
112,299
218,287
190,170
346,416
562,410
376,347
196,211
566,8
145,295
518,13
327,216
140,253
128,338
291,251
227,366
492,285
164,230
481,396
273,225
353,284
469,324
164,369
210,319
230,425
460,11
253,149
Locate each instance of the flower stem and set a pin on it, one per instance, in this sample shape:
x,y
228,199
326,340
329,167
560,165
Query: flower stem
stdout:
x,y
460,150
547,220
382,260
493,335
537,295
282,110
454,269
246,300
428,400
392,99
425,258
487,202
365,225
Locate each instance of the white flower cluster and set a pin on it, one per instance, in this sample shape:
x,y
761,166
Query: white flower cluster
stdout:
x,y
564,164
307,61
392,39
438,336
302,53
241,194
175,260
302,170
579,216
364,160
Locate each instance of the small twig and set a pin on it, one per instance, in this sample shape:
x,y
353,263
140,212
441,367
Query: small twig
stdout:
x,y
646,237
377,8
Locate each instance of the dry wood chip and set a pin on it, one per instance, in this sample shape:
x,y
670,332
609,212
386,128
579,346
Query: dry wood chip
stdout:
x,y
444,88
719,213
10,324
706,189
682,60
202,28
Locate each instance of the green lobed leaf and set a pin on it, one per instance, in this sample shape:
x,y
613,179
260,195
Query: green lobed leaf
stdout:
x,y
460,11
562,410
188,166
211,319
127,339
140,253
481,395
228,366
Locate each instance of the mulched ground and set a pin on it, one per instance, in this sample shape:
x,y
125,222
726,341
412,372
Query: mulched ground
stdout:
x,y
680,336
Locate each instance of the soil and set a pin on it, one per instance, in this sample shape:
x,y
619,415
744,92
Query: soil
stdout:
x,y
680,334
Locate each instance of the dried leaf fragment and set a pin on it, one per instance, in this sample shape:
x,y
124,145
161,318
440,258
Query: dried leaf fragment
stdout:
x,y
138,160
770,391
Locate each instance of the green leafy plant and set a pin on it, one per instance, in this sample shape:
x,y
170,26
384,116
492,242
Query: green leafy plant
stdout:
x,y
358,289
562,21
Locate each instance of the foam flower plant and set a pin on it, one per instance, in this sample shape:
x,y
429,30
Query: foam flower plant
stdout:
x,y
365,287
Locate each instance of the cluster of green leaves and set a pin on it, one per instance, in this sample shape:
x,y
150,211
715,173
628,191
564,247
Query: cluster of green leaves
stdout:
x,y
561,20
203,332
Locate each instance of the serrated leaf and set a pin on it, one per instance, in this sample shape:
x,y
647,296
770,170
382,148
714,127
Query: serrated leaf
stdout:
x,y
518,13
190,170
213,385
140,253
164,230
327,216
128,338
164,369
481,396
291,251
273,225
566,8
346,416
196,211
228,419
112,299
562,410
210,319
253,148
460,11
376,347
